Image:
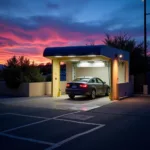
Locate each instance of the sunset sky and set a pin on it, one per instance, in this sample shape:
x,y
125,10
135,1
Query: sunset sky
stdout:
x,y
29,26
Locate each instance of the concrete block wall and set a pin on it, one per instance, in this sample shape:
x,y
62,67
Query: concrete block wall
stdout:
x,y
30,89
125,89
23,90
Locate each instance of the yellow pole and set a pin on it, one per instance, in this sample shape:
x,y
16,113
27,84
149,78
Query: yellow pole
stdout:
x,y
55,78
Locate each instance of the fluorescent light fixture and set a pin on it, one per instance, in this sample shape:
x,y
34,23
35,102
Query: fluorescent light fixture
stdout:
x,y
91,55
90,64
58,56
83,64
98,64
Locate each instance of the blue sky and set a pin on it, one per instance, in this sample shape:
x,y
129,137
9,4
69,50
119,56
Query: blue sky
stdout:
x,y
27,27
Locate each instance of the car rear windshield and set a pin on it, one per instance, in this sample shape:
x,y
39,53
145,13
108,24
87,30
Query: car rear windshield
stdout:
x,y
81,80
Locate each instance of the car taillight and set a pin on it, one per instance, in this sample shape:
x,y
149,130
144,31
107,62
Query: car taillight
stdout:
x,y
67,85
83,85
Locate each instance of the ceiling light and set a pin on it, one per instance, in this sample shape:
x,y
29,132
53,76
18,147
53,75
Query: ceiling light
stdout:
x,y
98,64
91,64
120,56
83,64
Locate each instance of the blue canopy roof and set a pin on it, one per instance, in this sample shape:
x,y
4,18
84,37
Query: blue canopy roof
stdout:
x,y
85,50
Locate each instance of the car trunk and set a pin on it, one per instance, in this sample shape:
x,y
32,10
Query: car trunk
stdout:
x,y
76,84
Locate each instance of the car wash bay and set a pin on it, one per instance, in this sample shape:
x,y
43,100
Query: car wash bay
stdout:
x,y
109,64
95,68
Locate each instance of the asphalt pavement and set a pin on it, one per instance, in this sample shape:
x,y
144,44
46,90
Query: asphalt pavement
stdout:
x,y
121,125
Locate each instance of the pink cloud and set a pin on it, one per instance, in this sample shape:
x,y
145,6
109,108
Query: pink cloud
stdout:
x,y
31,43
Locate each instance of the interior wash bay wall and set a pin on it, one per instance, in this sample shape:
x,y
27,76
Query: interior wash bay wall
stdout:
x,y
103,73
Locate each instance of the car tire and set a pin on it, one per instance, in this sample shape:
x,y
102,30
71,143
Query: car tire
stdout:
x,y
71,96
93,94
107,92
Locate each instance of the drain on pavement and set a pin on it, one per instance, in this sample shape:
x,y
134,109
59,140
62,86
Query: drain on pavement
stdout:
x,y
78,117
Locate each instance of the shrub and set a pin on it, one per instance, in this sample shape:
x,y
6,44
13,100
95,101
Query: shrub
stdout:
x,y
13,77
32,74
19,70
49,78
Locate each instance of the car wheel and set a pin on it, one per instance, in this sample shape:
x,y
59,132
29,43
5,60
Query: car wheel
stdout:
x,y
71,96
93,94
107,92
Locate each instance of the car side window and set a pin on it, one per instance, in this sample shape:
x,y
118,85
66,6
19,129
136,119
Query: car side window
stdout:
x,y
99,81
93,80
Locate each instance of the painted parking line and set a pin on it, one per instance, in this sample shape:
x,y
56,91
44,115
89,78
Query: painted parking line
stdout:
x,y
30,124
80,122
73,137
27,139
28,116
52,145
66,114
34,123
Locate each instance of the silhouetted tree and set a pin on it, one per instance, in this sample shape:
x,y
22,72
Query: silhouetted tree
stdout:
x,y
125,42
12,62
19,70
21,61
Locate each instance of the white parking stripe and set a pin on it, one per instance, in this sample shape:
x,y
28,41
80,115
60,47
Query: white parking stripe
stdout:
x,y
52,145
34,123
66,114
73,137
26,139
27,115
30,124
80,122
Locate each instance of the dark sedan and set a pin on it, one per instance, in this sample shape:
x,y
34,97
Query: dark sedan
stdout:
x,y
88,86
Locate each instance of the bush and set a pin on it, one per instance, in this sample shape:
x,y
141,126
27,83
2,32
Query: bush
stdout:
x,y
32,74
13,77
19,70
49,78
